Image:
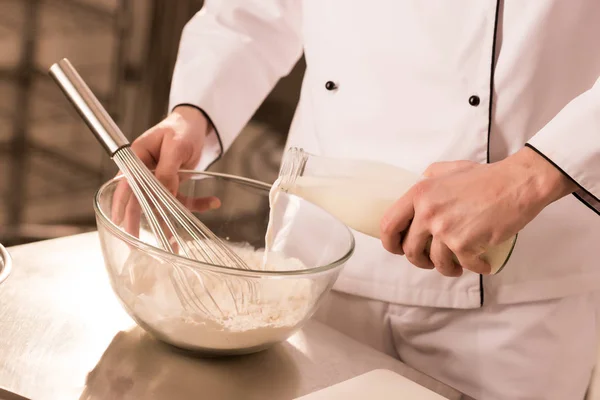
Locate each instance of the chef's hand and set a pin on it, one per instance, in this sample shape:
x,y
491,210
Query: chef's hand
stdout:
x,y
174,143
464,208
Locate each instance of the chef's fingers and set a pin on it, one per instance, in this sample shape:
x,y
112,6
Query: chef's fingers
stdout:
x,y
131,221
123,191
446,167
159,151
396,221
119,201
470,259
441,256
414,246
173,153
130,211
125,205
199,204
194,204
148,146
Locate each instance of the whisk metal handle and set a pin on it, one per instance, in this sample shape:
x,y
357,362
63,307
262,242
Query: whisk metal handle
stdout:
x,y
88,106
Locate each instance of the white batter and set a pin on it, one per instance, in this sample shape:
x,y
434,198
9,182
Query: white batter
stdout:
x,y
252,313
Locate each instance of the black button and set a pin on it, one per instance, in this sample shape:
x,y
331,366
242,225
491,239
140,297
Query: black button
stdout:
x,y
330,85
474,101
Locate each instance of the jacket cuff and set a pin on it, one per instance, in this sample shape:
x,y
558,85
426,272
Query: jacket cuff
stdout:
x,y
583,194
227,72
213,150
570,141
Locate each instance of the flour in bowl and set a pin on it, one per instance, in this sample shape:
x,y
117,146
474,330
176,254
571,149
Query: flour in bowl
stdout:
x,y
240,312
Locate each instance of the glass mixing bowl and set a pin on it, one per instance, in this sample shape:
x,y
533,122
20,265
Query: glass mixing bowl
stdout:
x,y
211,309
5,263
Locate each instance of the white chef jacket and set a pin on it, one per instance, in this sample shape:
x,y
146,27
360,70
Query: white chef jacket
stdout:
x,y
412,82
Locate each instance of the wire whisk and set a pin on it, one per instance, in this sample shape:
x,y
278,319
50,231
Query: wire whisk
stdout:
x,y
172,224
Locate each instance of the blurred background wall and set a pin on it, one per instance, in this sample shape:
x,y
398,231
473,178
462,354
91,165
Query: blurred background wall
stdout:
x,y
50,164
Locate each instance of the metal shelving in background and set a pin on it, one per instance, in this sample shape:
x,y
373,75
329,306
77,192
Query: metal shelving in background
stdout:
x,y
50,165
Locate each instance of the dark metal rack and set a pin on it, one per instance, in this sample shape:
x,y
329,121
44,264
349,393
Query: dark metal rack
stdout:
x,y
35,171
27,156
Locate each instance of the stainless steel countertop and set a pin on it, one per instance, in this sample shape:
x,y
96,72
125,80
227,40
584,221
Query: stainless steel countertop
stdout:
x,y
63,335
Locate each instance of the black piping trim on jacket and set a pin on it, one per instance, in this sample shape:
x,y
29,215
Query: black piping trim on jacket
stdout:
x,y
573,180
489,132
214,127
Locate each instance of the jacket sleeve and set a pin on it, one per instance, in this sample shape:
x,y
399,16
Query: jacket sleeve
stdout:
x,y
231,55
571,141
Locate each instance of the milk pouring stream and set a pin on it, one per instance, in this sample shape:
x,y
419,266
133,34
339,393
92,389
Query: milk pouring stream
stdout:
x,y
358,193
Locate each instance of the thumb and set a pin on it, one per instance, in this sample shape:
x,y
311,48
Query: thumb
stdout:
x,y
446,167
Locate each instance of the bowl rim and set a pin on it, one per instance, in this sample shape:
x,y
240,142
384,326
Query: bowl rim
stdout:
x,y
201,266
5,263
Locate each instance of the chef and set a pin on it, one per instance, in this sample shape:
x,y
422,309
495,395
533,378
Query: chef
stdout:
x,y
496,102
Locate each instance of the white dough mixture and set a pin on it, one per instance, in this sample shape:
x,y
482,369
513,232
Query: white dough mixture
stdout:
x,y
242,312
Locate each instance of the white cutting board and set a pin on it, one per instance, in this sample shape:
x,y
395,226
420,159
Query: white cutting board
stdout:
x,y
379,384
